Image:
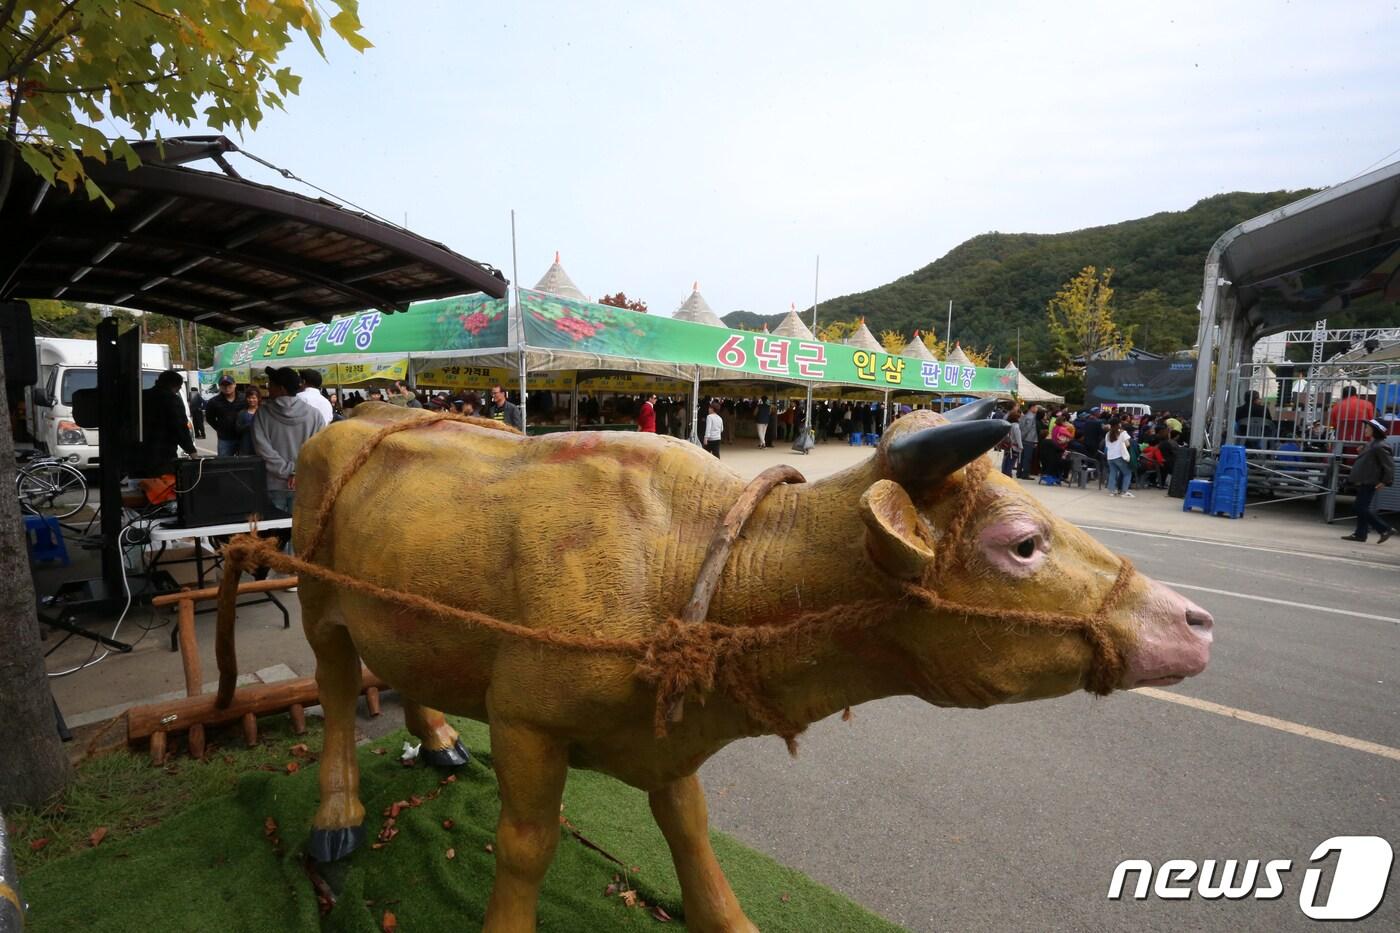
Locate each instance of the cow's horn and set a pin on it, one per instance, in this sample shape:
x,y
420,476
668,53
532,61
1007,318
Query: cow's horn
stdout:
x,y
972,411
923,458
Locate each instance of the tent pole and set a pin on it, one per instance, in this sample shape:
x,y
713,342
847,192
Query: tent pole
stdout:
x,y
887,411
520,325
695,408
573,406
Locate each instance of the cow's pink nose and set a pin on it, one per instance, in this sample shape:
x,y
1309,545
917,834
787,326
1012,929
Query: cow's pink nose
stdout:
x,y
1200,621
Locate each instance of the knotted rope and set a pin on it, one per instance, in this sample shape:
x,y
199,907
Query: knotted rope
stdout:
x,y
681,656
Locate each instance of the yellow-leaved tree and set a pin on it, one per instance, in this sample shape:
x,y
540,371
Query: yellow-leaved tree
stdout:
x,y
940,350
1081,320
893,341
837,331
66,68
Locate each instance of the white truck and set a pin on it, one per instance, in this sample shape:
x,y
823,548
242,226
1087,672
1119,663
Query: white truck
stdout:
x,y
65,366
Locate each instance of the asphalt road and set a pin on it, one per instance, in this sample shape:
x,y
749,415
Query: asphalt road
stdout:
x,y
1014,818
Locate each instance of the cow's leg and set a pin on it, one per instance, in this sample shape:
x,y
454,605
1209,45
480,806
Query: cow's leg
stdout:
x,y
531,768
442,747
710,905
338,827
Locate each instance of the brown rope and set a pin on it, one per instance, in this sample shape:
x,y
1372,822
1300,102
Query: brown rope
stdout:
x,y
682,656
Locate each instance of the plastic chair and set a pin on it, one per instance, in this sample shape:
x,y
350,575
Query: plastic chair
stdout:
x,y
872,440
45,538
1198,495
854,439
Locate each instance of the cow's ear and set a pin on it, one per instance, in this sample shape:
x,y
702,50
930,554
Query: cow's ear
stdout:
x,y
894,532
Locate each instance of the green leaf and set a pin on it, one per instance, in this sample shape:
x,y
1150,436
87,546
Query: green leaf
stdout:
x,y
94,192
38,161
347,25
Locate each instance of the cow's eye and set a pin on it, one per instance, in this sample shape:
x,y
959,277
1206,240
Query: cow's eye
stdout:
x,y
1026,548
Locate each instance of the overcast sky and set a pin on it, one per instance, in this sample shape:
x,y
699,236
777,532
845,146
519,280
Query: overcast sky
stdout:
x,y
654,144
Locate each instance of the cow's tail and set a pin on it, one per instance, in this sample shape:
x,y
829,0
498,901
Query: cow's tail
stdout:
x,y
225,654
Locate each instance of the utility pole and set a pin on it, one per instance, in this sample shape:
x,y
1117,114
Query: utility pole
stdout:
x,y
948,334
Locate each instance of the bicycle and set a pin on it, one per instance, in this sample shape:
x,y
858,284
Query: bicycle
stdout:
x,y
49,486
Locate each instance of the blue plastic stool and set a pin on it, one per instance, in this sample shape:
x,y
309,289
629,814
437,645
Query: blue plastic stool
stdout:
x,y
1198,495
872,440
1047,480
855,439
45,537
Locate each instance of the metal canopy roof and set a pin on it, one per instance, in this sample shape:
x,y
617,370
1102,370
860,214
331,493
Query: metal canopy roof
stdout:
x,y
1312,257
1290,267
216,248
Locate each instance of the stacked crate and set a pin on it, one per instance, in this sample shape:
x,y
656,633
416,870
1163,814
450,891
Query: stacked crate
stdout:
x,y
1231,482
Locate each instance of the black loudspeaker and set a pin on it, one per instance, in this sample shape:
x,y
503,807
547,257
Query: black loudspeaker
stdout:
x,y
17,336
1183,471
221,491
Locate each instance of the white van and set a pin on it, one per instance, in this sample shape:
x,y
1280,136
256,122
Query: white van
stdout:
x,y
65,366
1132,408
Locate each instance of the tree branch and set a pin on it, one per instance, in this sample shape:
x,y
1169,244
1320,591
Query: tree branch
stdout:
x,y
9,147
94,88
41,42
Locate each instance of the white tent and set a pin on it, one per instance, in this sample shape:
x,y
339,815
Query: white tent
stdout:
x,y
1028,391
959,357
864,339
696,310
916,349
556,281
793,328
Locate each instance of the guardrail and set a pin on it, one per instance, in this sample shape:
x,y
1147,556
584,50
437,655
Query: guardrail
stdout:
x,y
11,904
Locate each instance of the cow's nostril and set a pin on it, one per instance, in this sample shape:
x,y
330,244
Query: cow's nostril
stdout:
x,y
1199,618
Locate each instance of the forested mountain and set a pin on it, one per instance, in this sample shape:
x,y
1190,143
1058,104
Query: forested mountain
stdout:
x,y
1002,281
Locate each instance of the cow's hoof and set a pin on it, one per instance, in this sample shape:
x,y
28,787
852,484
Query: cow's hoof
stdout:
x,y
332,845
453,757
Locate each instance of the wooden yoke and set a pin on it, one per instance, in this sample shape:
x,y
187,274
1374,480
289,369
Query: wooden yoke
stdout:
x,y
718,554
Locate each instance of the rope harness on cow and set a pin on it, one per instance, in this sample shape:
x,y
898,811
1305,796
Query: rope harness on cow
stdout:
x,y
685,654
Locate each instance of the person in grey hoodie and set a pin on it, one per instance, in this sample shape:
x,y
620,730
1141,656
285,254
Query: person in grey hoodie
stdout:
x,y
1028,441
279,429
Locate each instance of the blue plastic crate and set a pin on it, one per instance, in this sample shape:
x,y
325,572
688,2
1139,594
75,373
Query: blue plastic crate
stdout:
x,y
1198,495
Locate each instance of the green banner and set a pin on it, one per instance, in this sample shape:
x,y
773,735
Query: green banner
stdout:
x,y
565,324
470,323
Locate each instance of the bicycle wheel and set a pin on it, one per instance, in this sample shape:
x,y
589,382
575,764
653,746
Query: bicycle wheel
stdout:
x,y
54,489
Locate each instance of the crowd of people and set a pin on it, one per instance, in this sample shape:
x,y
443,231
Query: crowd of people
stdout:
x,y
1129,451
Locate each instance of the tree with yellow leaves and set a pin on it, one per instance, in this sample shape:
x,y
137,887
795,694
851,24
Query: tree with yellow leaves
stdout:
x,y
1081,320
893,341
837,331
940,350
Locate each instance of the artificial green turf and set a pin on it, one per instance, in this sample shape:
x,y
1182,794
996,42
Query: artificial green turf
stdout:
x,y
214,867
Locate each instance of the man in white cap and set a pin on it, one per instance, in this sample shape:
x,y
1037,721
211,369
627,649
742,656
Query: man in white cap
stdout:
x,y
1371,471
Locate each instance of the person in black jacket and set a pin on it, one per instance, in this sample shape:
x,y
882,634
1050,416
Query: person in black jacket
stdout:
x,y
164,426
1372,471
222,413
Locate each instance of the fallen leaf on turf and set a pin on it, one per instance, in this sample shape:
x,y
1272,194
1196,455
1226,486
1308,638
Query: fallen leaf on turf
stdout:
x,y
629,898
447,824
293,767
451,853
610,890
376,845
490,847
38,844
660,914
300,750
379,751
97,836
450,779
269,826
415,801
390,923
785,898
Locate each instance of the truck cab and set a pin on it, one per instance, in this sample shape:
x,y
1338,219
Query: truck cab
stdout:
x,y
65,367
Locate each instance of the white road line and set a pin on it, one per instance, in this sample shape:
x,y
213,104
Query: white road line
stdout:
x,y
1281,602
1288,552
1269,722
